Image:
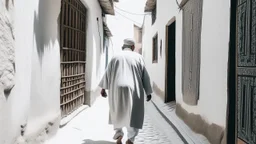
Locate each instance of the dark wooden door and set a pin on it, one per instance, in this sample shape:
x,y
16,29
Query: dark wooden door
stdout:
x,y
73,55
246,71
171,61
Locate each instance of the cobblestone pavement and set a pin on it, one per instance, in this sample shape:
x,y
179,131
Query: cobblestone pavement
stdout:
x,y
168,109
156,130
91,127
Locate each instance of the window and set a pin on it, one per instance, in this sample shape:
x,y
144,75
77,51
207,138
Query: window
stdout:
x,y
153,15
155,48
191,48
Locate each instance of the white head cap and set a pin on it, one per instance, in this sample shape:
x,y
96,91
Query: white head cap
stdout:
x,y
129,42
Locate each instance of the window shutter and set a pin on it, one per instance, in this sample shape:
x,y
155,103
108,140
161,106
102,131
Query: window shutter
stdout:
x,y
191,47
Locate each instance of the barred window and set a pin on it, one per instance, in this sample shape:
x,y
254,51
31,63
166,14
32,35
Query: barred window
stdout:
x,y
191,47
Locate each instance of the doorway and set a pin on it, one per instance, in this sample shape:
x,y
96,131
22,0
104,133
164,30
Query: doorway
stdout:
x,y
242,74
231,111
246,72
170,71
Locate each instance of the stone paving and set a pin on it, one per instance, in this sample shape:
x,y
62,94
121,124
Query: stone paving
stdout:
x,y
156,130
91,127
168,109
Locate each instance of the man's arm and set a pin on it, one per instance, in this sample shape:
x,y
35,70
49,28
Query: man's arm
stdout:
x,y
146,84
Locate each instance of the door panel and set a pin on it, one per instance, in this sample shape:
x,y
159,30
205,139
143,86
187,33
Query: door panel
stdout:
x,y
246,71
73,55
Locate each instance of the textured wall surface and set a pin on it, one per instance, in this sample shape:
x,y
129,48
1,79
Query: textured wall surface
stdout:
x,y
213,56
7,52
7,61
29,70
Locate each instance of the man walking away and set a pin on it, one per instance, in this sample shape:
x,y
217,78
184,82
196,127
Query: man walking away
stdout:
x,y
126,78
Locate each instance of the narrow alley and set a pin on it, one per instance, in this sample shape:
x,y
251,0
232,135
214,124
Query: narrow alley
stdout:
x,y
191,62
91,127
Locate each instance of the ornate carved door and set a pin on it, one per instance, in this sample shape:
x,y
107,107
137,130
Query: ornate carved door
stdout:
x,y
246,71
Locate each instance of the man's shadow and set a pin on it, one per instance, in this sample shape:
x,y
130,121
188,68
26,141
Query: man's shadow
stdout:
x,y
96,142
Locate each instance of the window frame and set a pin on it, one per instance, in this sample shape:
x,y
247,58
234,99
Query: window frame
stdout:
x,y
155,48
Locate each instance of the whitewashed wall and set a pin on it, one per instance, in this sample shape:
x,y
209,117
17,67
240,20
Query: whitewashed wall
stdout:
x,y
214,56
34,99
7,72
95,61
166,10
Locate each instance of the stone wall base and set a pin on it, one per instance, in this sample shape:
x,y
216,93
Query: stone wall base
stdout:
x,y
214,133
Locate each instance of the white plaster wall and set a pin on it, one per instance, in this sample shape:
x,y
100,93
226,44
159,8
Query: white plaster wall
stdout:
x,y
166,10
214,62
45,72
34,100
214,56
7,71
95,61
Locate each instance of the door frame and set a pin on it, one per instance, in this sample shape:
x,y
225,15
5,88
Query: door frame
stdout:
x,y
171,21
231,120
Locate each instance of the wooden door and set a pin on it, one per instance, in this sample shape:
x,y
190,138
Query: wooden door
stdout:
x,y
73,55
246,71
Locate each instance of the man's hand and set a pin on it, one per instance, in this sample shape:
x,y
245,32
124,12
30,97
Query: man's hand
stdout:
x,y
149,98
103,93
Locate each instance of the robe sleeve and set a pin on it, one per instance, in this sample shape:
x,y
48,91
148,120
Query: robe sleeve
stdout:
x,y
104,83
146,82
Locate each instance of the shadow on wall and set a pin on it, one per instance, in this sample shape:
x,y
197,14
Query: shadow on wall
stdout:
x,y
97,142
46,35
44,97
7,4
44,27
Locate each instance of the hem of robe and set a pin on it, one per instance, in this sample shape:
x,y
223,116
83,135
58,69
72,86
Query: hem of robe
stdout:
x,y
122,126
